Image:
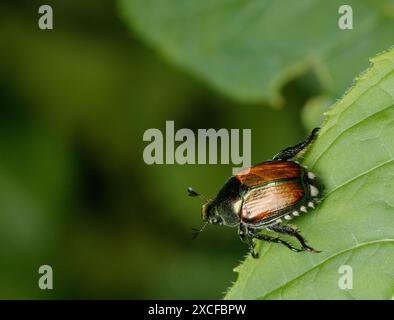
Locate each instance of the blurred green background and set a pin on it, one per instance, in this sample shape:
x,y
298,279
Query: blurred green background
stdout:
x,y
74,190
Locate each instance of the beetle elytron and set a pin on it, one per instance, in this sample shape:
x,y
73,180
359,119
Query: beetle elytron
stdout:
x,y
263,196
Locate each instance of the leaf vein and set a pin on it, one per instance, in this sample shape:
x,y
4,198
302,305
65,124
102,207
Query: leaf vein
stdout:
x,y
379,241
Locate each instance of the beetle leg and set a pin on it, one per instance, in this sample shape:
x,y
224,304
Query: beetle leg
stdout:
x,y
251,245
292,231
265,237
291,152
244,236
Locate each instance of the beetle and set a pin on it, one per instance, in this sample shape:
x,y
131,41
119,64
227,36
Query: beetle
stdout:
x,y
264,196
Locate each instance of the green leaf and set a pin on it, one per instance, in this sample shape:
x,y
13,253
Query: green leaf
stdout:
x,y
250,49
354,224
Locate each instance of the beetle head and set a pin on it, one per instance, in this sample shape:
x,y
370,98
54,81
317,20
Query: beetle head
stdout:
x,y
209,213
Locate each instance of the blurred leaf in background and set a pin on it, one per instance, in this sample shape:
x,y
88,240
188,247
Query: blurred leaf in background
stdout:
x,y
250,49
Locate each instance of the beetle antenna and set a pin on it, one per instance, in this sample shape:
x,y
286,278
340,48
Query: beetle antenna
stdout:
x,y
196,232
192,193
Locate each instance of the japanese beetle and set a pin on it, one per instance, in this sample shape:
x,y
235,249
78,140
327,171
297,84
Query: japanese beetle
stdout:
x,y
263,197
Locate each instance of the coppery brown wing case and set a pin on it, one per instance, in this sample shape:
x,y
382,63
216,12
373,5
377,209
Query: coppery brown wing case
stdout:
x,y
267,200
273,187
269,171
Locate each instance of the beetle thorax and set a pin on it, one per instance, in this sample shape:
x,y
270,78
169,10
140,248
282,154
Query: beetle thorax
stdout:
x,y
228,211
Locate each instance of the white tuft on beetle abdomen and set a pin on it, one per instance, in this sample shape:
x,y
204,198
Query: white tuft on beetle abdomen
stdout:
x,y
314,191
